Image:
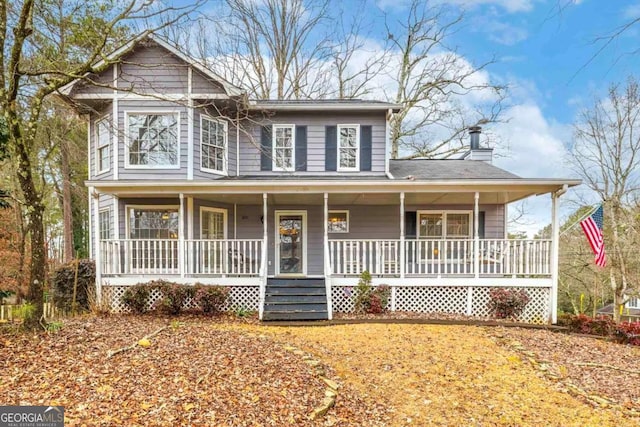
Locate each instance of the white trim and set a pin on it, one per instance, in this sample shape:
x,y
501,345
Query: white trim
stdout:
x,y
346,211
131,279
274,166
89,146
96,231
357,167
320,106
114,118
98,147
166,112
305,238
116,218
190,118
190,218
225,225
130,96
508,282
90,206
225,160
444,214
148,207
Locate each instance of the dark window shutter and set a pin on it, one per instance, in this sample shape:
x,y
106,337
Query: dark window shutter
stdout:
x,y
331,148
481,224
265,149
365,148
301,148
410,225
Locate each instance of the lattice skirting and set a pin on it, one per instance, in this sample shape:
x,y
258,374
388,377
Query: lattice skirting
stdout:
x,y
246,297
449,299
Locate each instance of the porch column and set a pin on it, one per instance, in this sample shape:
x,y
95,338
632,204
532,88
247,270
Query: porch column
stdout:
x,y
402,251
327,255
555,246
181,237
265,240
97,251
476,234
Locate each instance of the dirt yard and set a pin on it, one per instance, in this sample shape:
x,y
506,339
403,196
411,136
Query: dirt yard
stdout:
x,y
200,371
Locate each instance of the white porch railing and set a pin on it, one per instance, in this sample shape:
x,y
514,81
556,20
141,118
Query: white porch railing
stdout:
x,y
238,257
515,257
352,257
235,257
441,257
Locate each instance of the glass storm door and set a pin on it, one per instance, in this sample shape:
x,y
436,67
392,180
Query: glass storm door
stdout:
x,y
291,243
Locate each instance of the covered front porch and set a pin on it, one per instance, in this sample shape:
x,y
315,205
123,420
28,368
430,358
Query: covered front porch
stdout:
x,y
438,250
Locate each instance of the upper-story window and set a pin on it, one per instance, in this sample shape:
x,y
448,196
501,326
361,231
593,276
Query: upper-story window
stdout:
x,y
152,140
103,144
348,147
283,147
213,143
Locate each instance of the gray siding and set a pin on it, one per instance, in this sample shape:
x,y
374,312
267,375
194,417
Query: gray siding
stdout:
x,y
103,83
199,174
152,69
315,122
105,202
202,84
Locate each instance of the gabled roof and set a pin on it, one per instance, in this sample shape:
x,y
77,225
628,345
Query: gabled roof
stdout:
x,y
322,105
230,89
454,169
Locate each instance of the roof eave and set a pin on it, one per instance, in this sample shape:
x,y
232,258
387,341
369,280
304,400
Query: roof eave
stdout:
x,y
324,107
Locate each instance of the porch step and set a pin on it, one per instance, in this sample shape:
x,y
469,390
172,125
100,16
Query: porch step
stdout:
x,y
295,299
295,315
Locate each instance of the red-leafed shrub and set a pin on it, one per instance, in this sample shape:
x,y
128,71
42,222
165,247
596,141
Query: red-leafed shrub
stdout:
x,y
628,332
369,299
507,303
603,326
211,299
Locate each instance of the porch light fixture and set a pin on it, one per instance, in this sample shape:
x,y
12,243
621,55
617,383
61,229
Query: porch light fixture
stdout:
x,y
165,215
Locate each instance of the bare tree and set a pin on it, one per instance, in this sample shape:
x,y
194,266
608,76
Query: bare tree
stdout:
x,y
43,47
272,47
605,154
430,80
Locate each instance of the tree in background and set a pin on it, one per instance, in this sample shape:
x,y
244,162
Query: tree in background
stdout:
x,y
44,46
605,153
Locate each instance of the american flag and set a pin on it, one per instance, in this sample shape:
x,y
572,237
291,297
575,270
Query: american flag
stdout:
x,y
592,227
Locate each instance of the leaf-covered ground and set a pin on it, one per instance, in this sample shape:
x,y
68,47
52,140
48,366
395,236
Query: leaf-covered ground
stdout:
x,y
212,372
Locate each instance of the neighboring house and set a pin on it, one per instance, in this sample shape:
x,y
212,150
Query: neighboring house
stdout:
x,y
288,202
630,312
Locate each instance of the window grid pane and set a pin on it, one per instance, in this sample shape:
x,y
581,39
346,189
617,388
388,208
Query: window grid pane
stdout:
x,y
348,147
283,147
213,225
153,224
213,144
153,139
458,225
431,226
104,224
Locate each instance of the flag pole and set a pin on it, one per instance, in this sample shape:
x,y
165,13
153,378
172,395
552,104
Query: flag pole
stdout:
x,y
580,220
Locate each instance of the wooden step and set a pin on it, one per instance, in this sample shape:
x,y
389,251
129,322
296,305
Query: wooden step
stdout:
x,y
295,306
295,291
295,315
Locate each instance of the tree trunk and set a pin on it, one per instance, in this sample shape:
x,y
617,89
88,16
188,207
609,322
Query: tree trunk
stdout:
x,y
67,213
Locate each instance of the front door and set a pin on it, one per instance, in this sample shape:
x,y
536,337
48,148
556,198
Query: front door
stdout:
x,y
291,243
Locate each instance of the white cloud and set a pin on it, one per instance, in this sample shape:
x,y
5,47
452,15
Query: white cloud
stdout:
x,y
504,33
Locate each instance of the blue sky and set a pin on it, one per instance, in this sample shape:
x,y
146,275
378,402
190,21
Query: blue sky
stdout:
x,y
547,51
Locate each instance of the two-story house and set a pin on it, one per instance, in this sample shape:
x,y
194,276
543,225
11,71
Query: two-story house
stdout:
x,y
288,202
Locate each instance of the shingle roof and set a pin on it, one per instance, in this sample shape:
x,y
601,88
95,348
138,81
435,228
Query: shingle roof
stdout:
x,y
428,169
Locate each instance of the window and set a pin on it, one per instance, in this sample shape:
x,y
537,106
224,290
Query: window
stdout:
x,y
104,224
348,147
152,140
153,223
338,221
213,223
283,147
103,142
213,143
444,225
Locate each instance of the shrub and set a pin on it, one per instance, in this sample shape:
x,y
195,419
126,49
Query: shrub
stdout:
x,y
583,324
368,299
507,303
64,281
628,333
137,296
173,298
211,299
